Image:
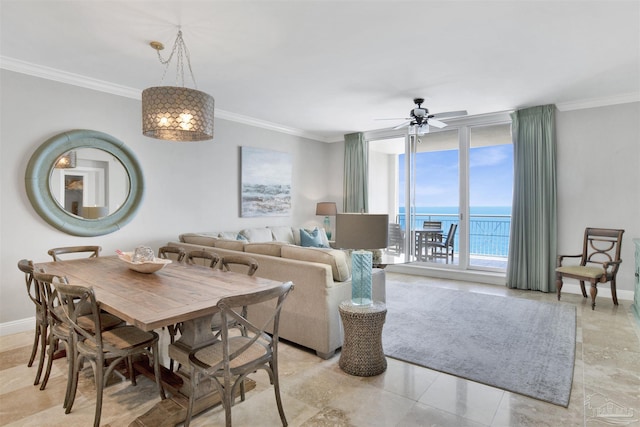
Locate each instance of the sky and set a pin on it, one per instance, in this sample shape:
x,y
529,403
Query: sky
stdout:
x,y
437,181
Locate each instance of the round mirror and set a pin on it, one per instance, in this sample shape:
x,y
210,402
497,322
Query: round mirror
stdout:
x,y
84,182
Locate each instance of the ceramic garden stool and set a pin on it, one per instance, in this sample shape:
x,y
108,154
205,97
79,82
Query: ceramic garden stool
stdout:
x,y
362,353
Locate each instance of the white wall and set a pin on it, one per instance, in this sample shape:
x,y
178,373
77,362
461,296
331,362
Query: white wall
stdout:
x,y
189,186
598,163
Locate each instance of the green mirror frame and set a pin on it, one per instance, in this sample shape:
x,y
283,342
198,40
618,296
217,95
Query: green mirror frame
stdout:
x,y
38,175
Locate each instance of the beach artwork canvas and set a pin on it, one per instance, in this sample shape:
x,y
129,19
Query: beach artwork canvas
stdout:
x,y
266,183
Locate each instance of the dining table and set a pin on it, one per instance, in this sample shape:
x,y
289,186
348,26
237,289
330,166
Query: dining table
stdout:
x,y
178,293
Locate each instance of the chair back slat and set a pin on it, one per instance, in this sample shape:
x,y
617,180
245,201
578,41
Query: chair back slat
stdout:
x,y
201,257
173,253
93,251
228,260
602,246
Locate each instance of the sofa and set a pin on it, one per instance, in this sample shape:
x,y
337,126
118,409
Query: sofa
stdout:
x,y
321,276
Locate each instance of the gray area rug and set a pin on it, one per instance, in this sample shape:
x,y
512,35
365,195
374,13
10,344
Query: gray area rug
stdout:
x,y
523,346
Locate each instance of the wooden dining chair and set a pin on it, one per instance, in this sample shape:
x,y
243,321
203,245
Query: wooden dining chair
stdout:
x,y
228,361
42,324
173,253
60,330
228,261
599,262
93,251
105,349
201,257
443,249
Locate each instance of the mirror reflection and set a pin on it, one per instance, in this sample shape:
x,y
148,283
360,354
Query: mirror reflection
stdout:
x,y
89,183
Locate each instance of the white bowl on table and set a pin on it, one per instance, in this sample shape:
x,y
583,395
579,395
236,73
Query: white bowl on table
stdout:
x,y
143,266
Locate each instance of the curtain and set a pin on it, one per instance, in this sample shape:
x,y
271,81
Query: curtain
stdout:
x,y
356,173
532,245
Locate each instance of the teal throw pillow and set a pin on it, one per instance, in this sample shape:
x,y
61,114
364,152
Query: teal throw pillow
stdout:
x,y
311,239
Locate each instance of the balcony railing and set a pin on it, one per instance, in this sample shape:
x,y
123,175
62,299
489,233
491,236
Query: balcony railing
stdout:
x,y
488,234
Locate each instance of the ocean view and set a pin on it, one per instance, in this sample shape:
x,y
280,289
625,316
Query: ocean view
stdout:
x,y
489,226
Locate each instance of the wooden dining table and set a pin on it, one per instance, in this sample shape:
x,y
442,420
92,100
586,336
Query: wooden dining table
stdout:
x,y
178,293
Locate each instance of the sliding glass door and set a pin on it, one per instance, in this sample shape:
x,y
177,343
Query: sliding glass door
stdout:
x,y
453,191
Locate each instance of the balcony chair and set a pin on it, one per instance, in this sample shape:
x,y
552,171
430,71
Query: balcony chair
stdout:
x,y
42,325
599,262
173,253
104,349
443,249
396,238
93,251
228,361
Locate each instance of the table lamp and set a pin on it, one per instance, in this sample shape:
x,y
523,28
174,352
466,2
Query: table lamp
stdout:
x,y
327,209
361,232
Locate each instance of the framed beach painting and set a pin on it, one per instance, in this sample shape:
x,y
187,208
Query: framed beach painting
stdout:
x,y
265,182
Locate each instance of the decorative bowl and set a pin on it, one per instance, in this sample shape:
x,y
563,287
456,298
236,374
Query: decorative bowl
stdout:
x,y
144,266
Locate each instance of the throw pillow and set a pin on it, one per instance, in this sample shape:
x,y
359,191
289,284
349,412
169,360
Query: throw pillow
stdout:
x,y
311,239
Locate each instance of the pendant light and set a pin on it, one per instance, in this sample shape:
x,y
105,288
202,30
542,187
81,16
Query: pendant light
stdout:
x,y
177,113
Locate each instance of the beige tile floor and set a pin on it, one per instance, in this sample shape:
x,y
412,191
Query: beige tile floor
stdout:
x,y
606,385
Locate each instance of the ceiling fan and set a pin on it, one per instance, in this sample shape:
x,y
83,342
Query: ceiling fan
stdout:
x,y
419,118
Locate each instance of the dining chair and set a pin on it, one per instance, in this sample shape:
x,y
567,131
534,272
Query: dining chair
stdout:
x,y
599,262
105,349
226,262
443,249
60,330
201,257
229,260
42,324
228,361
93,251
173,253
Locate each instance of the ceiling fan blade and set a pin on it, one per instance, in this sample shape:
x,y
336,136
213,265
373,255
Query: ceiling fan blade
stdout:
x,y
403,124
393,118
436,123
449,114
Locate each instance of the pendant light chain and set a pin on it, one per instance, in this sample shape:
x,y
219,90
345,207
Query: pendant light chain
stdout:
x,y
180,48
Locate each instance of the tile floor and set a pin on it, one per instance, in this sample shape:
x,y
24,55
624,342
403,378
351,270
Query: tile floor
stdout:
x,y
606,385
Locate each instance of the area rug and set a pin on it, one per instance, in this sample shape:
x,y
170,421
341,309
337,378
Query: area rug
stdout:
x,y
518,345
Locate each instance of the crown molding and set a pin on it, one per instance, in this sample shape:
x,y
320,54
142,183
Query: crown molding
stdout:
x,y
624,98
54,74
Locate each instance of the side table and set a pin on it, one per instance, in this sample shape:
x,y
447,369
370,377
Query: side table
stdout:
x,y
362,352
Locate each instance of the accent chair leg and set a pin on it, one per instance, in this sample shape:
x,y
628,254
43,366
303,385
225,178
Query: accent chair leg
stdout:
x,y
594,293
584,291
614,294
558,285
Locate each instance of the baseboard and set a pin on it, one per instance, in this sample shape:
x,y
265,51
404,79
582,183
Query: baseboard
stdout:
x,y
17,326
491,278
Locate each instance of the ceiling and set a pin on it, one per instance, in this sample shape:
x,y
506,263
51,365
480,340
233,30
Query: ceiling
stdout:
x,y
325,68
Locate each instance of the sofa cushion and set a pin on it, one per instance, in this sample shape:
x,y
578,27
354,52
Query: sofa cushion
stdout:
x,y
332,257
311,239
321,232
229,235
233,245
204,239
265,248
282,234
257,235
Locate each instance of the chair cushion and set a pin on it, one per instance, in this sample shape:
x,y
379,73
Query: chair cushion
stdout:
x,y
212,354
579,270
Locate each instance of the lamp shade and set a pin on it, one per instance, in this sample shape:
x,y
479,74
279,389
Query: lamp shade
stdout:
x,y
177,114
362,231
326,208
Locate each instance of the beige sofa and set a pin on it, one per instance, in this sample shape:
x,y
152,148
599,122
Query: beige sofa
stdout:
x,y
321,276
